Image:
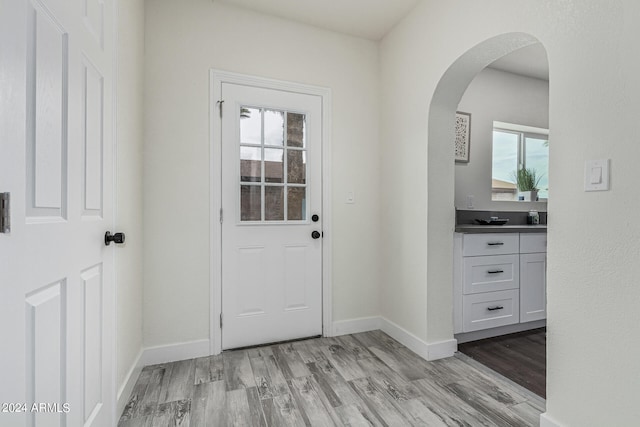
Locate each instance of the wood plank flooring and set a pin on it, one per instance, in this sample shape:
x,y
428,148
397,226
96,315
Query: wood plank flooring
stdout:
x,y
365,379
521,357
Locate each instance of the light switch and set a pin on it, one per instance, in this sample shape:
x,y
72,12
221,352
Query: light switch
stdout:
x,y
351,198
596,175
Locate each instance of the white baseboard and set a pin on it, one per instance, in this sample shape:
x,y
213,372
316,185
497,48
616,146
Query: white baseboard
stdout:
x,y
175,352
442,349
428,351
125,389
546,421
354,326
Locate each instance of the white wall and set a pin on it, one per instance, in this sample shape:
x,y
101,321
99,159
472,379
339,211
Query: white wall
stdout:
x,y
504,97
184,40
594,243
129,185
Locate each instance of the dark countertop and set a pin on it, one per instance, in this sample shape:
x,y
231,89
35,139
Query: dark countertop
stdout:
x,y
473,228
466,222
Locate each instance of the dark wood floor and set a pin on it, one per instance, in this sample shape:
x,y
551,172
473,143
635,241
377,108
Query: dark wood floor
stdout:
x,y
365,379
521,357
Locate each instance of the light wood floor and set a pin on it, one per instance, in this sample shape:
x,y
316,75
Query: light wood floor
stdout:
x,y
353,380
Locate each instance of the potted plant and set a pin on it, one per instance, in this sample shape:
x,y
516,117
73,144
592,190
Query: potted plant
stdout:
x,y
527,181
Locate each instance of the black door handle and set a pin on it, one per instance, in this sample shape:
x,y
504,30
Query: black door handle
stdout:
x,y
116,238
315,234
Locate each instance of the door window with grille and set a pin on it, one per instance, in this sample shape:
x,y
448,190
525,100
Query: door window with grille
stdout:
x,y
273,165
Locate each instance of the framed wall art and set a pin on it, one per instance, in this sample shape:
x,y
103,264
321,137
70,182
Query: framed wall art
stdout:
x,y
463,132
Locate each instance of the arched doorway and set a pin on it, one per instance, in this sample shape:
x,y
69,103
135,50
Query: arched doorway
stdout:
x,y
441,175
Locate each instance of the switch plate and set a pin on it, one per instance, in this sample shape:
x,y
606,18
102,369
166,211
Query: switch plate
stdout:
x,y
470,201
351,197
596,175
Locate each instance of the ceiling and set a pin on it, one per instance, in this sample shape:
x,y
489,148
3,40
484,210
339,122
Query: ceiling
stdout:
x,y
530,61
370,19
373,19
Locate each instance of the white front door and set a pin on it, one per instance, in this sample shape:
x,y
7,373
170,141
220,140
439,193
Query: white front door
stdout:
x,y
272,215
56,276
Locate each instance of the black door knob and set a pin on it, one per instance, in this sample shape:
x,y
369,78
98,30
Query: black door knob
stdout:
x,y
315,234
116,238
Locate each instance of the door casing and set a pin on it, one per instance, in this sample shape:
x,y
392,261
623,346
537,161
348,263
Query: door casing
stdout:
x,y
217,77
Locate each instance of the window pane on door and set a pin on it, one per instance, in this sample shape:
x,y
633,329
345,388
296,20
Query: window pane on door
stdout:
x,y
296,132
250,203
296,167
274,203
273,127
296,203
250,126
250,164
274,165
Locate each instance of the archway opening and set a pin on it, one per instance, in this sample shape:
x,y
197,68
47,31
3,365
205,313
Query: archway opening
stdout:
x,y
441,173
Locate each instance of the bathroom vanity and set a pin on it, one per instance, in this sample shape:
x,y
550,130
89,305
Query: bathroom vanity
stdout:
x,y
499,277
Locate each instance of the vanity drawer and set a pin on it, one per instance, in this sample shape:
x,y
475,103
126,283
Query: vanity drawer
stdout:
x,y
490,244
490,310
531,243
490,273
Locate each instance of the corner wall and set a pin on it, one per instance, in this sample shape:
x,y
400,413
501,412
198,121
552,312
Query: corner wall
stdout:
x,y
593,245
184,40
129,122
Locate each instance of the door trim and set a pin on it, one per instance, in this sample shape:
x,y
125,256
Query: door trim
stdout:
x,y
216,79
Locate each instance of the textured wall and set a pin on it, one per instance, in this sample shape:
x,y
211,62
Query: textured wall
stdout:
x,y
593,241
184,40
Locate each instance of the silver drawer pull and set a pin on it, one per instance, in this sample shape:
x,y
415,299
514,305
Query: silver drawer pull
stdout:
x,y
495,243
495,271
497,307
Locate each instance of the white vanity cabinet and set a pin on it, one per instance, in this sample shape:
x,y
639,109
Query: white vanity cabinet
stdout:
x,y
499,280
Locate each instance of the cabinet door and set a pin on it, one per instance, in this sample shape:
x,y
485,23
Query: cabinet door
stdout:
x,y
533,287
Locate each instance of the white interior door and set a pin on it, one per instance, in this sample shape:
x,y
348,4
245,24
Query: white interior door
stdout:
x,y
272,215
57,309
